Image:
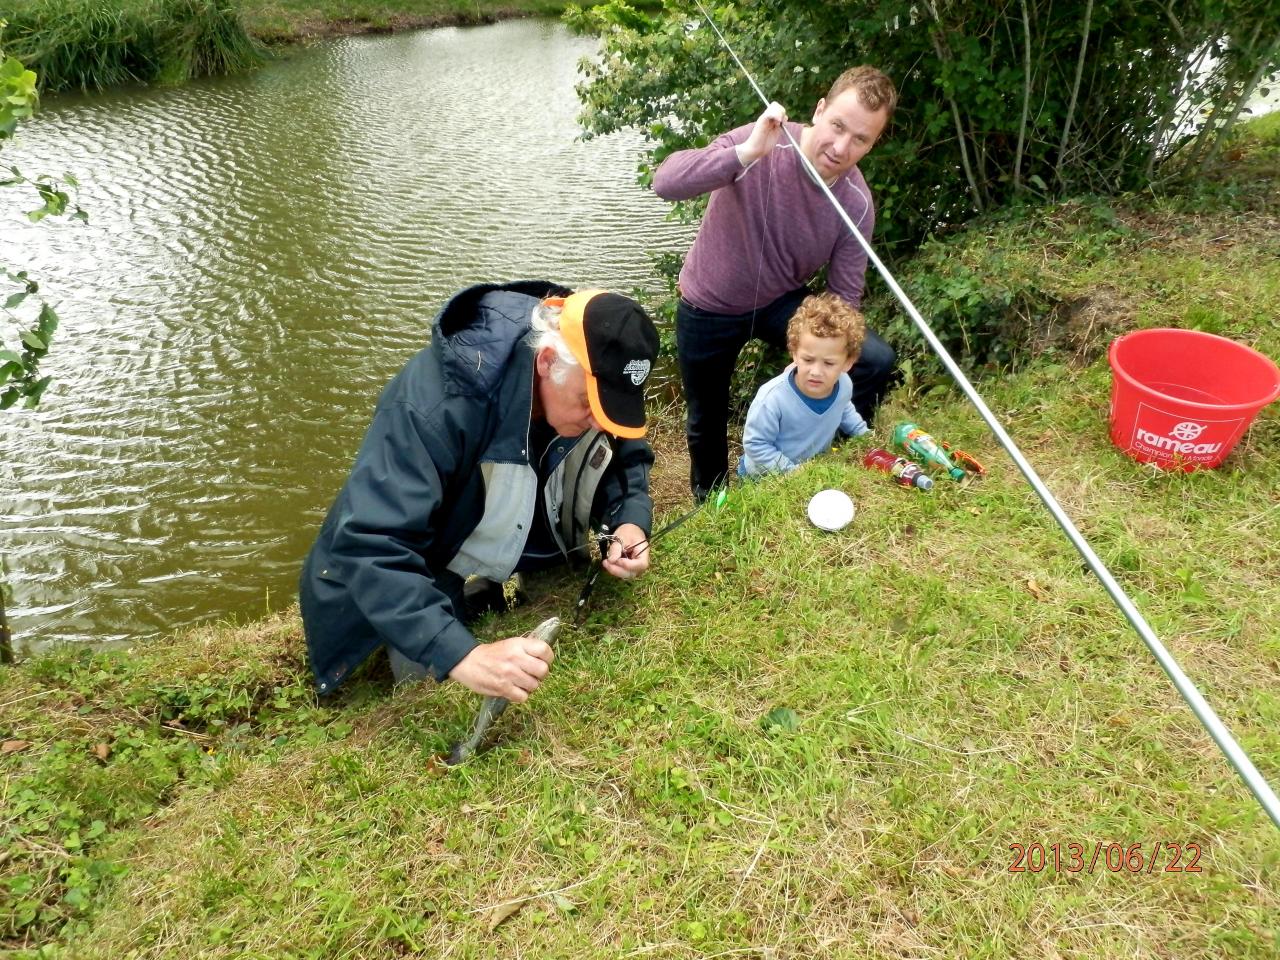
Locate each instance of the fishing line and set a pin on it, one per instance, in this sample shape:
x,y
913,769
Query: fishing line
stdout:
x,y
632,552
755,297
1199,706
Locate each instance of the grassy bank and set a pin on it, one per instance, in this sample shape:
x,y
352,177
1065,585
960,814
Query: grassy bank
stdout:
x,y
287,21
781,743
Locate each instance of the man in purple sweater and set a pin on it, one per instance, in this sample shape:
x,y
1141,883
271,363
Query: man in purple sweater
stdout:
x,y
767,230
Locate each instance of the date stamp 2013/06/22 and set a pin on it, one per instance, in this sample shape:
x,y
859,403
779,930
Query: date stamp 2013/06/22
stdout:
x,y
1157,856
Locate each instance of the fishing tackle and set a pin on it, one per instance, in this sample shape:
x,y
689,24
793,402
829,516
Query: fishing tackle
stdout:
x,y
633,551
966,460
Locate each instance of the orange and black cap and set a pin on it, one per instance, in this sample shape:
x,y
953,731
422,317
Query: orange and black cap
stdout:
x,y
617,344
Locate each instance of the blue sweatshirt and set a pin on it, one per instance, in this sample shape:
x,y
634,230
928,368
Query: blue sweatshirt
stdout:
x,y
784,429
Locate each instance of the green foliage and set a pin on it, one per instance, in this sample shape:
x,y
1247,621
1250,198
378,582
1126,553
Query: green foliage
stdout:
x,y
1063,279
998,101
288,21
18,371
17,92
94,44
981,317
25,338
982,291
27,323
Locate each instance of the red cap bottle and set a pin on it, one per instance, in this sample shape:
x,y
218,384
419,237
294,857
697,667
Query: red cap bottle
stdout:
x,y
903,471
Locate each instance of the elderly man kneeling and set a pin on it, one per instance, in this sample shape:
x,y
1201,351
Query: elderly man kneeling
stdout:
x,y
495,450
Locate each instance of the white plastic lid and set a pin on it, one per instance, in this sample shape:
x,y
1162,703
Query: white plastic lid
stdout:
x,y
831,509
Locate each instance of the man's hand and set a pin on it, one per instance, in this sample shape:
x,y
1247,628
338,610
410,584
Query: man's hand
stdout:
x,y
628,555
510,668
764,135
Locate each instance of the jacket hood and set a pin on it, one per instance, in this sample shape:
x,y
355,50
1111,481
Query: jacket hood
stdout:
x,y
477,330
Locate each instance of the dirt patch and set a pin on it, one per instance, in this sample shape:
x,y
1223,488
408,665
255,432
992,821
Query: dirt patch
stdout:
x,y
1204,234
669,480
1082,328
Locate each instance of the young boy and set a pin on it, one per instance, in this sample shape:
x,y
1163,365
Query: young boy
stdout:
x,y
795,415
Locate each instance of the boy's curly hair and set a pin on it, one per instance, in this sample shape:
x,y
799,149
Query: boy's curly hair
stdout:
x,y
826,315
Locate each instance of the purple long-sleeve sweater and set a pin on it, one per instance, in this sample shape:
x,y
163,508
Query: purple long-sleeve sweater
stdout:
x,y
768,227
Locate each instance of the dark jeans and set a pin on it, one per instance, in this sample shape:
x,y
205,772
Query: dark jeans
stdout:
x,y
708,344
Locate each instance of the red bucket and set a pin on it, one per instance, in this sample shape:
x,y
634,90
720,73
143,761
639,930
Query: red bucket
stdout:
x,y
1181,399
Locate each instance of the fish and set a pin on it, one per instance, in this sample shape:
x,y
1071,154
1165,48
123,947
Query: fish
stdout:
x,y
492,707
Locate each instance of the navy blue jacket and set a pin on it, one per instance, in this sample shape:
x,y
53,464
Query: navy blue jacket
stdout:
x,y
377,572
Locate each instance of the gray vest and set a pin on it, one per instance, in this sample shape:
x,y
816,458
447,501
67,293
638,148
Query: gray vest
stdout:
x,y
493,549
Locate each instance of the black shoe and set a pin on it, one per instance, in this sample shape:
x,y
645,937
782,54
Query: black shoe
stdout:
x,y
700,494
480,595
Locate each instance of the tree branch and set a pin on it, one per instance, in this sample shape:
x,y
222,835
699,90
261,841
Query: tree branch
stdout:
x,y
1206,134
961,136
1170,111
1026,97
1263,62
1075,94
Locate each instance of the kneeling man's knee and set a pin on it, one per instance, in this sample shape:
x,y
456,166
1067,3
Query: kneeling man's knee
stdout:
x,y
877,357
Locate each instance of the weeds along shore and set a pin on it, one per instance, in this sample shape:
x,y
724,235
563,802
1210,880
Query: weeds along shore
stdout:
x,y
780,742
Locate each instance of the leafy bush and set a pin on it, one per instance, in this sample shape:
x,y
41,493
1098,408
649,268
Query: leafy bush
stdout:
x,y
998,101
982,318
30,322
993,293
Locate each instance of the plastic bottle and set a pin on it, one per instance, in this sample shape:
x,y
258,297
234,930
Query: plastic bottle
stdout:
x,y
902,470
924,448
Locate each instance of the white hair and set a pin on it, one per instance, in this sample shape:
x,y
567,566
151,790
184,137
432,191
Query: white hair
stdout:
x,y
546,322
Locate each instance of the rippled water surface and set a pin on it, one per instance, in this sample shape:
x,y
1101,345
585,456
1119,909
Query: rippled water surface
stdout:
x,y
264,252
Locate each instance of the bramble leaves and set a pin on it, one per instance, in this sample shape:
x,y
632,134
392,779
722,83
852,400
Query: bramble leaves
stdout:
x,y
17,94
781,719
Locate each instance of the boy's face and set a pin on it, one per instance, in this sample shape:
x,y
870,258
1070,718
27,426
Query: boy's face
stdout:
x,y
819,363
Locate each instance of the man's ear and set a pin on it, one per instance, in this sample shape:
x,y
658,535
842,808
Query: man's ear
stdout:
x,y
544,360
817,111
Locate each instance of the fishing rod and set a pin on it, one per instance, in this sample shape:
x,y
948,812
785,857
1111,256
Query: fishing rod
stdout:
x,y
1199,706
631,552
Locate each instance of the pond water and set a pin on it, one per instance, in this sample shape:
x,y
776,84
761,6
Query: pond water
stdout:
x,y
263,253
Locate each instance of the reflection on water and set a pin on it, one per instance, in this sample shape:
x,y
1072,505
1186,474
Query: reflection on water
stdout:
x,y
263,253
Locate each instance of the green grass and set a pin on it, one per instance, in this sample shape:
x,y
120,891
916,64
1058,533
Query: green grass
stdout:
x,y
780,743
